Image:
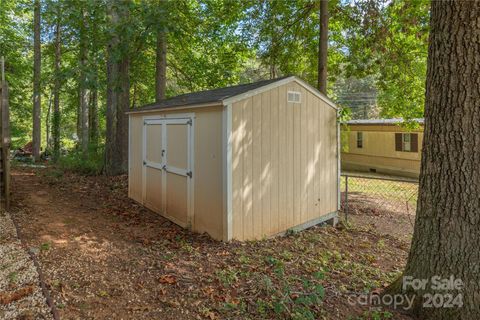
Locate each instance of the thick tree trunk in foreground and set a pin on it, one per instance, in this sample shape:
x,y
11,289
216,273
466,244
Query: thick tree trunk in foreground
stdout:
x,y
323,47
161,66
36,132
447,227
56,94
118,86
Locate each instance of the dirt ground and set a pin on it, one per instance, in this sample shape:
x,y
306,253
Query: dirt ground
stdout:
x,y
106,257
393,218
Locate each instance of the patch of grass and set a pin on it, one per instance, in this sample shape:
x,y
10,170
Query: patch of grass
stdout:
x,y
102,293
13,276
45,246
292,297
374,315
227,276
287,255
187,247
244,259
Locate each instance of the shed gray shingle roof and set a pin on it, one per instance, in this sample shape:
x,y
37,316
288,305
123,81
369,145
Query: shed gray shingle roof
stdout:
x,y
207,96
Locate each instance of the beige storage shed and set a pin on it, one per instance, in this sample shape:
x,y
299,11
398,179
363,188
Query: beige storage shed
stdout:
x,y
242,162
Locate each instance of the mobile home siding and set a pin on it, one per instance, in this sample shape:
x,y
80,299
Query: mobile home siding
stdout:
x,y
284,162
381,150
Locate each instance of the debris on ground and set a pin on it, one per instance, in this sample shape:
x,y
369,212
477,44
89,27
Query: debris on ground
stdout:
x,y
106,257
21,295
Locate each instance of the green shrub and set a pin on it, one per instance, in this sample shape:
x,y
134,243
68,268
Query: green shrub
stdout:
x,y
87,165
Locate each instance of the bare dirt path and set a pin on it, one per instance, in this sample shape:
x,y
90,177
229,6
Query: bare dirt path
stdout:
x,y
105,257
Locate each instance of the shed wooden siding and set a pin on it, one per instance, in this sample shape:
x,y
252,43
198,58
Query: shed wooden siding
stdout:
x,y
284,162
208,163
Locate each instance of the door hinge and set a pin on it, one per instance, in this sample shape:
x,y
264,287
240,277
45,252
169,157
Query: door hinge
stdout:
x,y
190,122
189,173
144,162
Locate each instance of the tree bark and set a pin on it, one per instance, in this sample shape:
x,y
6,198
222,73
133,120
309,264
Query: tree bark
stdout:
x,y
56,92
93,118
118,86
161,66
323,47
47,120
36,132
83,86
447,226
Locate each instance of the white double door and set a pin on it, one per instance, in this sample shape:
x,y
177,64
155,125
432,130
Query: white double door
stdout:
x,y
167,168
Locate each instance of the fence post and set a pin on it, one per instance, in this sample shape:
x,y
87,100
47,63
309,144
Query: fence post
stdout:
x,y
346,199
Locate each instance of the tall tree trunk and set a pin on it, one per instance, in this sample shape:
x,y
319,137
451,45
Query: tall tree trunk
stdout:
x,y
56,92
161,66
323,47
47,120
447,226
118,86
36,132
93,118
95,60
83,86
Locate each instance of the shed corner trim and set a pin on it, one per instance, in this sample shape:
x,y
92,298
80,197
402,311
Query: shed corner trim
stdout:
x,y
228,172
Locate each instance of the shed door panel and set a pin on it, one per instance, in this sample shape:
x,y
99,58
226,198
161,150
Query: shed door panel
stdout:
x,y
153,193
177,170
154,189
153,153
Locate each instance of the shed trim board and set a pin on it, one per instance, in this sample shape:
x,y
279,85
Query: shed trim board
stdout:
x,y
185,107
165,120
332,216
228,174
339,163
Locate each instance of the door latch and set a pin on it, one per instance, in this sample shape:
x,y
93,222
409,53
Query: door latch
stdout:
x,y
164,167
189,173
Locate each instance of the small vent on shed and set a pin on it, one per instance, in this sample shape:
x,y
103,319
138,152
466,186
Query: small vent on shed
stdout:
x,y
293,96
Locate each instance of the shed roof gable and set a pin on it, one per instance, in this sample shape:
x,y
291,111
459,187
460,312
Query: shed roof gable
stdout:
x,y
227,95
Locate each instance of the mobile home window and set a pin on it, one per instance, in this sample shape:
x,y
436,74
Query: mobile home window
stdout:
x,y
359,139
407,142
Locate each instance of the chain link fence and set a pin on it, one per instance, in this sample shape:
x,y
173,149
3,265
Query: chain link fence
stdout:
x,y
371,195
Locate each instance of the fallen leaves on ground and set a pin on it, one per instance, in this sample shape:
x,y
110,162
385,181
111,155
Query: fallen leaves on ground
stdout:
x,y
118,259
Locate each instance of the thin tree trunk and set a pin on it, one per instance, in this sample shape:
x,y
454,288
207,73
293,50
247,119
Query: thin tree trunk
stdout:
x,y
93,118
447,234
47,120
95,60
56,92
118,86
161,66
83,87
36,132
323,47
